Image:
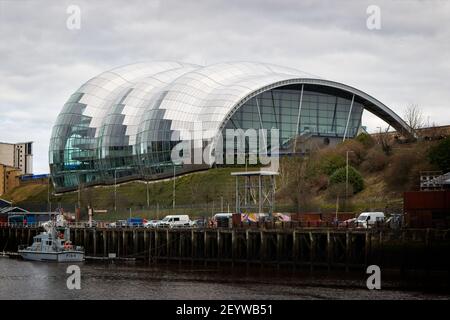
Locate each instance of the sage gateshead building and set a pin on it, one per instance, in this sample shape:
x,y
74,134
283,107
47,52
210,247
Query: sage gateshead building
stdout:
x,y
120,124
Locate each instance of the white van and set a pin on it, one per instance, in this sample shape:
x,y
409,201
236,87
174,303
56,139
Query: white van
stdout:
x,y
174,221
369,219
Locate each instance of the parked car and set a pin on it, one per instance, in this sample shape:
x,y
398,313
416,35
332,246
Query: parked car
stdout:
x,y
174,221
395,221
151,223
94,224
198,223
369,219
347,223
119,224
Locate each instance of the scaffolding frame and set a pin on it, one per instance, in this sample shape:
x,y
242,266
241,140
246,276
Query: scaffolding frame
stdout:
x,y
255,191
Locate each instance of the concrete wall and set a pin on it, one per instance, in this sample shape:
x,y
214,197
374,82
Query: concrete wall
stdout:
x,y
18,156
7,154
9,178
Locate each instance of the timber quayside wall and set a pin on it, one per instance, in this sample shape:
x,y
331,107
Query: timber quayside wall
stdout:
x,y
403,250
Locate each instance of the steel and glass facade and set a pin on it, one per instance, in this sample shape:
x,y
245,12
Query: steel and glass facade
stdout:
x,y
123,124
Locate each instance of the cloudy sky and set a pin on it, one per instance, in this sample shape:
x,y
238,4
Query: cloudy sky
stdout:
x,y
406,61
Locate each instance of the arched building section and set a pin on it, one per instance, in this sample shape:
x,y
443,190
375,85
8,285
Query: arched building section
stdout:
x,y
123,124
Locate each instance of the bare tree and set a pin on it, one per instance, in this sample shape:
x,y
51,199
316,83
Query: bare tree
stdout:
x,y
384,139
299,187
414,117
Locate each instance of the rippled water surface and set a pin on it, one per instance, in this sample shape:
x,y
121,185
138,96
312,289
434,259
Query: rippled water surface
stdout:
x,y
37,280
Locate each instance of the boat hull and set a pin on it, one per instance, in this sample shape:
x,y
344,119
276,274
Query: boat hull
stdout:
x,y
65,256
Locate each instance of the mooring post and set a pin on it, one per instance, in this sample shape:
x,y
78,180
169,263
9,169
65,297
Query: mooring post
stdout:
x,y
428,249
404,253
145,244
295,248
193,246
135,243
205,247
219,247
329,250
180,244
105,243
347,251
262,247
115,245
312,251
234,246
85,243
279,248
366,248
380,248
156,246
167,245
94,240
150,238
248,246
124,243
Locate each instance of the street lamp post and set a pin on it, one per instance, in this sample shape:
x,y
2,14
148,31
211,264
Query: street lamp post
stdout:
x,y
173,196
79,191
115,190
146,182
148,195
346,176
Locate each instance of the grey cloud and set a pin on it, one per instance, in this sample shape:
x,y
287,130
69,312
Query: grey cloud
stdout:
x,y
43,62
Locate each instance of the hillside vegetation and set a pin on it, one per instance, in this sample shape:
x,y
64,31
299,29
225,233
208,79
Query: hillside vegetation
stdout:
x,y
379,172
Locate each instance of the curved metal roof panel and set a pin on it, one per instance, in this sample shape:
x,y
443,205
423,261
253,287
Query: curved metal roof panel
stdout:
x,y
119,105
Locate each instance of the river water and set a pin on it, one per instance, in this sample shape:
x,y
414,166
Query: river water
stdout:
x,y
37,280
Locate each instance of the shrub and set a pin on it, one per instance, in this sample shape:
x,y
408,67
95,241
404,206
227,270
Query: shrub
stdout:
x,y
365,139
354,178
439,155
357,151
376,160
398,175
330,162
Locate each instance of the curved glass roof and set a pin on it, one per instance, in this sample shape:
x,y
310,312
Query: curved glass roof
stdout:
x,y
118,113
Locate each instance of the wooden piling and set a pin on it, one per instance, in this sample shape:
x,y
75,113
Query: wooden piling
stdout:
x,y
219,247
94,240
312,251
263,250
329,250
347,251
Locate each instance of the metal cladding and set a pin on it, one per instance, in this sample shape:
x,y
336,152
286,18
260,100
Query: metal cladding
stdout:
x,y
122,123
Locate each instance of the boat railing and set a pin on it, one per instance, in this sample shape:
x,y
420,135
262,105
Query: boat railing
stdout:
x,y
20,225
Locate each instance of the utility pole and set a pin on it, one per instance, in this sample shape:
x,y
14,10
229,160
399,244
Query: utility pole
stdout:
x,y
79,192
173,197
146,182
346,177
49,207
115,190
148,196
